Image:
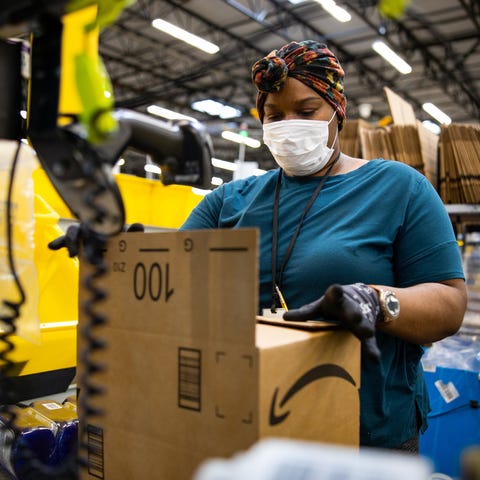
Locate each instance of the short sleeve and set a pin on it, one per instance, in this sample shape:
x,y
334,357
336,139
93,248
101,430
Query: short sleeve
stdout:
x,y
206,214
425,248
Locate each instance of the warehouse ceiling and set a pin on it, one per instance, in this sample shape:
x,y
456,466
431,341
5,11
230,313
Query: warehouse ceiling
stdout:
x,y
440,39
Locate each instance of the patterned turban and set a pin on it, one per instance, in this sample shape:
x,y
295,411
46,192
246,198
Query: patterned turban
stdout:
x,y
311,63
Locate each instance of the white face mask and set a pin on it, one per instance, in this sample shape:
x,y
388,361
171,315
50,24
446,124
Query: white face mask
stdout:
x,y
299,146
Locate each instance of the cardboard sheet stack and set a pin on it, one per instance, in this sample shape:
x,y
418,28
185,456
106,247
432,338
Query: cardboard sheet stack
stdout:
x,y
350,137
376,144
406,140
460,164
397,142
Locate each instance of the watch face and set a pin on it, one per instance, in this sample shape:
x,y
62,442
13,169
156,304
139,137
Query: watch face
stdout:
x,y
392,304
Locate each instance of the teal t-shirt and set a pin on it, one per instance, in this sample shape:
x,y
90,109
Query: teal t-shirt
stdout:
x,y
382,223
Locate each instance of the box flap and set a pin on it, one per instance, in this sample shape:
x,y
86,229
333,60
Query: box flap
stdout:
x,y
310,325
184,284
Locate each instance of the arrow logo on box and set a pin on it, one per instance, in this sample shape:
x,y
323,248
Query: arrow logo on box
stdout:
x,y
315,373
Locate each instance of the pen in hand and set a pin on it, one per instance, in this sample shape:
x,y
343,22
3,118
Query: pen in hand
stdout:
x,y
280,297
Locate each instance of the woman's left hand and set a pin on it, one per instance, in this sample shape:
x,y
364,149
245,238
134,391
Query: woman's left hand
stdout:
x,y
355,306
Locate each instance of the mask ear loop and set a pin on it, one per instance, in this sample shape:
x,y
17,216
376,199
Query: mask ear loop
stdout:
x,y
336,133
331,118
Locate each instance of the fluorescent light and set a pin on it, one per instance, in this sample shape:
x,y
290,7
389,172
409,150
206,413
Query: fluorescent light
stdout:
x,y
436,113
432,126
169,114
226,165
229,112
339,13
214,108
200,191
216,181
235,137
150,168
391,57
185,36
335,11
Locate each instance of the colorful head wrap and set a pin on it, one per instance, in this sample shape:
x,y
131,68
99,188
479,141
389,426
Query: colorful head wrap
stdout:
x,y
310,62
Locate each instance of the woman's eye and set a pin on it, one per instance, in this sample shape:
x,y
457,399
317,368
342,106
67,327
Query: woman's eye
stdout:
x,y
273,117
307,113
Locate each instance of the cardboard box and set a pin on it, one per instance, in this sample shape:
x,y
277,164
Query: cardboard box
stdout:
x,y
191,375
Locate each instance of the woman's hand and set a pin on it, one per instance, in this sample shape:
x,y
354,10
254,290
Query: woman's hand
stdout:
x,y
355,306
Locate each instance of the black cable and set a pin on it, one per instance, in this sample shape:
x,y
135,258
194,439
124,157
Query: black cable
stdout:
x,y
90,452
93,251
32,468
8,319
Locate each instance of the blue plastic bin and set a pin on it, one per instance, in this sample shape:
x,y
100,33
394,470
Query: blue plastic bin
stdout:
x,y
454,422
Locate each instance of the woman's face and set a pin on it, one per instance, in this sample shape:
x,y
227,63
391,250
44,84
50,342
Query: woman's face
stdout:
x,y
296,101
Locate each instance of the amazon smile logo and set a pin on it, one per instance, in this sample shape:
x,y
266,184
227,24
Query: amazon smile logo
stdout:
x,y
315,373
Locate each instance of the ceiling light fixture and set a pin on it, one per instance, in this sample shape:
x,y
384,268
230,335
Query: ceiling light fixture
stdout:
x,y
339,13
215,108
226,165
168,114
391,57
185,36
200,191
150,168
235,137
335,11
432,126
436,113
216,181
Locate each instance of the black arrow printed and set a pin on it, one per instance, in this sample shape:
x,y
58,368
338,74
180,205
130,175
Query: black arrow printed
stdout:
x,y
315,373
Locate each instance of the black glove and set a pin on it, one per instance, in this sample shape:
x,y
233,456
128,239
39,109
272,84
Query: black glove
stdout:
x,y
355,306
135,227
73,238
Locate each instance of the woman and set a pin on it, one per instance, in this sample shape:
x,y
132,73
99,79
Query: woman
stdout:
x,y
364,243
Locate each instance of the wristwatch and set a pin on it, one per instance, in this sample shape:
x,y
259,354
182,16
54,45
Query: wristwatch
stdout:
x,y
389,304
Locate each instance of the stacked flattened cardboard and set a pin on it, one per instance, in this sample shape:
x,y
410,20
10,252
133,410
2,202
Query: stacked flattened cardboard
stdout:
x,y
350,136
429,148
397,142
406,145
377,143
407,140
460,164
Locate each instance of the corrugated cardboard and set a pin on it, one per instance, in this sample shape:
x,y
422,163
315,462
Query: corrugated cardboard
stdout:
x,y
191,375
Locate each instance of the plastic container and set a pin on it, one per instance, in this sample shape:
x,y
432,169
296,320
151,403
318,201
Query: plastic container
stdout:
x,y
454,421
66,421
34,439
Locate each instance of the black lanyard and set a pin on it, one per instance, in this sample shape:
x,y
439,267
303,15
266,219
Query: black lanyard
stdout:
x,y
276,204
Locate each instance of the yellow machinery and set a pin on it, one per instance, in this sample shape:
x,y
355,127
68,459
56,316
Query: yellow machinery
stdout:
x,y
45,363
